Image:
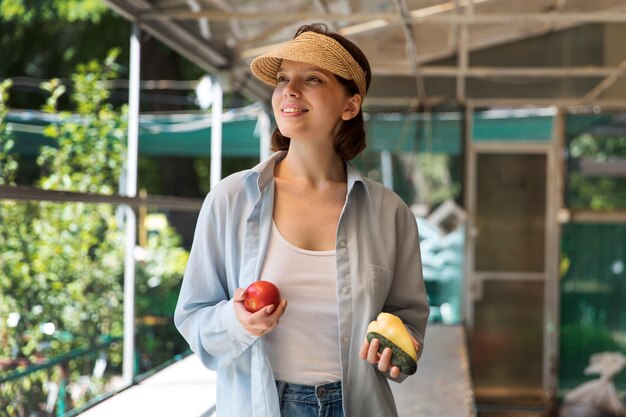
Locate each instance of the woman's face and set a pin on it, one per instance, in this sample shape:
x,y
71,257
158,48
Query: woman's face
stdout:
x,y
310,103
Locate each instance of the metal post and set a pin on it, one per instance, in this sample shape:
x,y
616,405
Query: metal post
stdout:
x,y
386,166
556,204
264,126
469,279
216,132
130,220
62,394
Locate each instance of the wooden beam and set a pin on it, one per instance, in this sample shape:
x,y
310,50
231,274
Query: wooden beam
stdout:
x,y
606,83
610,168
463,54
549,102
25,193
491,18
408,102
172,33
478,72
411,51
585,216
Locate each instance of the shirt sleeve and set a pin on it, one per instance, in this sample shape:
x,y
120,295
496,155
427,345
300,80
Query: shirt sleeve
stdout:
x,y
204,314
407,297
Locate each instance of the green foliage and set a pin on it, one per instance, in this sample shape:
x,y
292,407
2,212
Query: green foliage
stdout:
x,y
8,162
424,178
160,267
49,38
436,169
597,193
61,264
598,147
25,11
89,154
161,264
15,9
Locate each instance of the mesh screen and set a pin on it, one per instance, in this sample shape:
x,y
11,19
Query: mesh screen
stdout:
x,y
593,298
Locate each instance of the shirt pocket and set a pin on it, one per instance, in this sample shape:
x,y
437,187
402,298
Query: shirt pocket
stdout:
x,y
380,283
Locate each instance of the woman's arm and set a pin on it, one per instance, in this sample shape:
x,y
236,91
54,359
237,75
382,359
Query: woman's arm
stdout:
x,y
205,315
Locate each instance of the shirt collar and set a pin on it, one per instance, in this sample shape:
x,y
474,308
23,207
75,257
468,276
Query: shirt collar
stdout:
x,y
356,178
264,171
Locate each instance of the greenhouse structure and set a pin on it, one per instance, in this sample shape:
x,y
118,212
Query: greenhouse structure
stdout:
x,y
501,124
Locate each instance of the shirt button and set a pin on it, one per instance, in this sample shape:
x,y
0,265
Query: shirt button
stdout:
x,y
345,290
342,243
346,339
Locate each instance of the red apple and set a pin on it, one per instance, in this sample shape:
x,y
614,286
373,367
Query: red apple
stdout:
x,y
260,294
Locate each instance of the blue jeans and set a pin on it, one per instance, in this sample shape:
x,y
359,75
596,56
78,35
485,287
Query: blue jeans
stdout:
x,y
310,400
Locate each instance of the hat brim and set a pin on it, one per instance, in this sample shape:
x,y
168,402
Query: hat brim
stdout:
x,y
313,49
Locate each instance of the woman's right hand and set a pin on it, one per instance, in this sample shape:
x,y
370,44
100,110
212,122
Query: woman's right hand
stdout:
x,y
263,321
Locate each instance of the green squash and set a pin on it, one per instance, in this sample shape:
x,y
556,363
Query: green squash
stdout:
x,y
392,334
399,358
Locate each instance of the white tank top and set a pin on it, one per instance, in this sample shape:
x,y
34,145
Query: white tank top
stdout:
x,y
304,347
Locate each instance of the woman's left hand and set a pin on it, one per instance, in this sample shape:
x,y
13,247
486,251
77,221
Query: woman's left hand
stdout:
x,y
263,321
369,352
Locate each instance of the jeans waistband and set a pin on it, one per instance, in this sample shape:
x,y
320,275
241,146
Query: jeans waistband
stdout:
x,y
309,393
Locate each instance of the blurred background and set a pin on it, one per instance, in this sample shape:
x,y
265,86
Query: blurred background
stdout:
x,y
501,124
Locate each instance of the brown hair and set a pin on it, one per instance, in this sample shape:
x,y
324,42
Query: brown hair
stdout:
x,y
350,140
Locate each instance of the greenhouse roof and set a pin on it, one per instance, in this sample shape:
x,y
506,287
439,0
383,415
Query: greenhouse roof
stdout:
x,y
423,53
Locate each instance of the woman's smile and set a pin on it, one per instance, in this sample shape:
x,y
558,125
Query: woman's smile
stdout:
x,y
293,110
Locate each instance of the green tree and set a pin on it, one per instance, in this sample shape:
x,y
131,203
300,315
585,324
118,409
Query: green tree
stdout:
x,y
46,39
61,264
8,162
49,38
587,192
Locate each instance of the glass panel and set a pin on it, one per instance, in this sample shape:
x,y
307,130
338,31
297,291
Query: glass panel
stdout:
x,y
507,344
511,199
593,296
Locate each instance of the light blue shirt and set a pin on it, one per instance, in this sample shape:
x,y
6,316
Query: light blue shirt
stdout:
x,y
378,269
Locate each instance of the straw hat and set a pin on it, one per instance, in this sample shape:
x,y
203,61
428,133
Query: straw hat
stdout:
x,y
315,49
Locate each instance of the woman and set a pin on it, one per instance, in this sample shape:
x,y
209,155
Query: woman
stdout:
x,y
340,247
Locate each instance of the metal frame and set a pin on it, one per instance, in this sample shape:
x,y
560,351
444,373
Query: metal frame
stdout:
x,y
474,279
26,193
470,232
130,218
554,204
170,22
389,18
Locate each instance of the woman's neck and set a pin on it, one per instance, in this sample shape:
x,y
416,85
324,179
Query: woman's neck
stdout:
x,y
316,166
